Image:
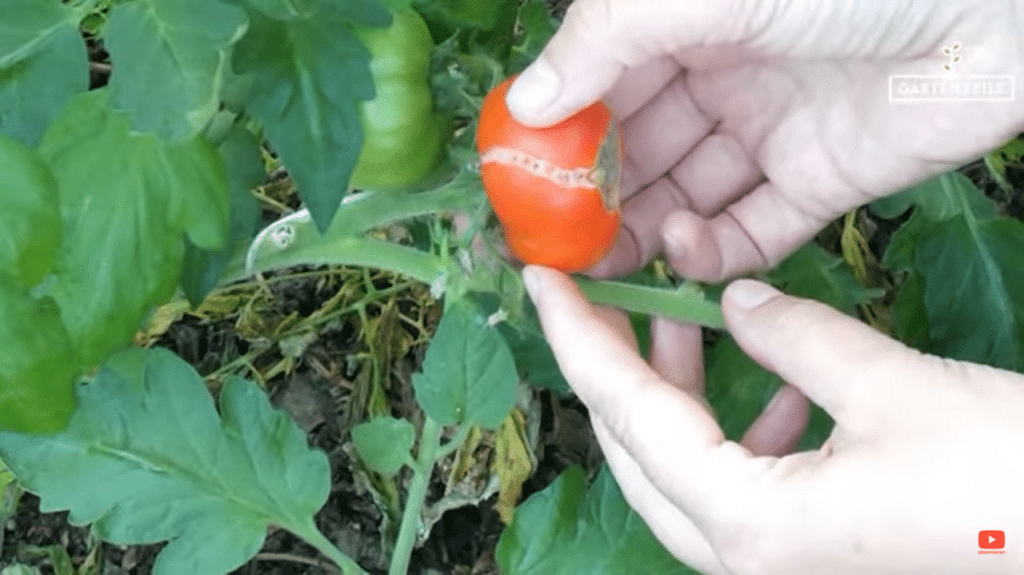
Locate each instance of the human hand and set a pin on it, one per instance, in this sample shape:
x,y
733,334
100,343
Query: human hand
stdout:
x,y
925,452
748,126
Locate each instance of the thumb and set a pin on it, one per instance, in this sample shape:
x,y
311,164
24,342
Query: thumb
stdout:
x,y
855,373
598,40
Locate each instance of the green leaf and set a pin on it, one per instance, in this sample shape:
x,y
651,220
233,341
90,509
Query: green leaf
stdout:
x,y
813,273
37,366
538,26
168,61
468,375
126,199
569,529
27,25
483,14
146,458
909,315
973,276
308,76
533,356
243,161
739,389
385,443
967,257
30,227
356,10
937,199
36,89
531,352
395,4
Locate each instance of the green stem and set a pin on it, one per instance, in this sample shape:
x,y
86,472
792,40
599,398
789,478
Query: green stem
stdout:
x,y
312,535
348,251
453,443
685,304
425,458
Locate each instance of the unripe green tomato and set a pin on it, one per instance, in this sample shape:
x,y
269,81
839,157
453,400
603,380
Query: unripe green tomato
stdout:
x,y
403,136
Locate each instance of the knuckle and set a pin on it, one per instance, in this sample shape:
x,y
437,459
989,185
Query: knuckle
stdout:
x,y
794,317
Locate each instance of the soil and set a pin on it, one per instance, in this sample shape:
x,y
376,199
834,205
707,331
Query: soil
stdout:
x,y
461,542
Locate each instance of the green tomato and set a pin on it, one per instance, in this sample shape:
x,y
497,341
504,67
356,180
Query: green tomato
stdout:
x,y
403,136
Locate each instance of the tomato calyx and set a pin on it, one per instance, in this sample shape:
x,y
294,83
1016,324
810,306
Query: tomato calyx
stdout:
x,y
608,167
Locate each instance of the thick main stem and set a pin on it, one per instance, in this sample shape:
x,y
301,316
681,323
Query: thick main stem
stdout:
x,y
349,251
425,458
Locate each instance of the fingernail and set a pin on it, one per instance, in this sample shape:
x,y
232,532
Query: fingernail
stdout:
x,y
776,401
533,91
532,280
748,294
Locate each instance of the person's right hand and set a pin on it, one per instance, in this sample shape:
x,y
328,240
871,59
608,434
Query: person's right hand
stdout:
x,y
925,454
748,126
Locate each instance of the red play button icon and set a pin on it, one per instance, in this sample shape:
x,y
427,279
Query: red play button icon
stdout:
x,y
991,539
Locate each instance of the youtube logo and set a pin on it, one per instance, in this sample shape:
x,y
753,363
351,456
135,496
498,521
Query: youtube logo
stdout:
x,y
991,539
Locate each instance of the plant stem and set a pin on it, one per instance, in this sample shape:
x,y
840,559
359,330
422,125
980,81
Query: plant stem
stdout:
x,y
425,458
685,304
314,537
688,305
453,443
349,251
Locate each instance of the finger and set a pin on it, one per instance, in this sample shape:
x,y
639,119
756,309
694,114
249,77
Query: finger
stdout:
x,y
677,355
665,129
777,431
639,84
705,476
600,39
639,239
839,363
676,532
713,174
752,234
619,323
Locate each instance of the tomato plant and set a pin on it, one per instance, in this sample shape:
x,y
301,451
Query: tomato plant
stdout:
x,y
403,136
142,144
555,189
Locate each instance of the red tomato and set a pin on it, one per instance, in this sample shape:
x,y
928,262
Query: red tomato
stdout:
x,y
555,189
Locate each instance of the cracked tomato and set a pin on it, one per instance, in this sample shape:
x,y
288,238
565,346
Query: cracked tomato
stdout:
x,y
554,189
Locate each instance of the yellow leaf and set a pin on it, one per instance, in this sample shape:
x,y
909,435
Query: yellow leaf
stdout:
x,y
513,462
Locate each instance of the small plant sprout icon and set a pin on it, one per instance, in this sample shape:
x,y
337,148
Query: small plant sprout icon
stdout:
x,y
953,53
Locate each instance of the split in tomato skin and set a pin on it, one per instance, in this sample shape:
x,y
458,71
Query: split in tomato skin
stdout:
x,y
554,189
